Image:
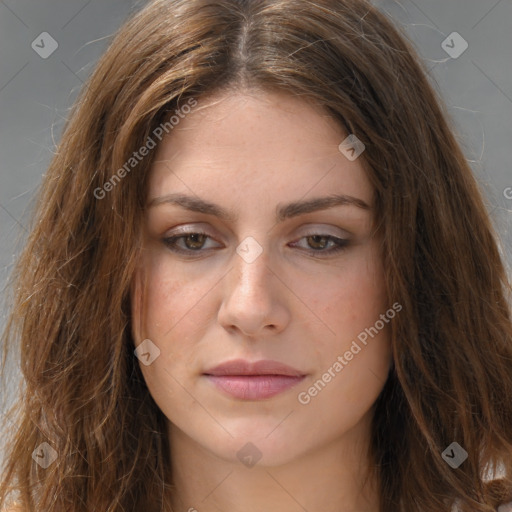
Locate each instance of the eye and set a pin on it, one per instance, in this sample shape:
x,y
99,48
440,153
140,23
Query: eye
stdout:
x,y
196,242
191,242
322,243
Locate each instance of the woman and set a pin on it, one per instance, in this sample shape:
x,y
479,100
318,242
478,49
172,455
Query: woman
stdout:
x,y
261,277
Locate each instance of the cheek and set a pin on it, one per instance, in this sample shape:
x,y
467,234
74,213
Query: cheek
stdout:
x,y
153,291
349,305
351,299
167,300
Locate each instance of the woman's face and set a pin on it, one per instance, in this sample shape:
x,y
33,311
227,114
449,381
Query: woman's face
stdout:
x,y
244,259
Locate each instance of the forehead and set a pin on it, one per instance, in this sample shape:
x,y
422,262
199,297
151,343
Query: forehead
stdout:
x,y
256,144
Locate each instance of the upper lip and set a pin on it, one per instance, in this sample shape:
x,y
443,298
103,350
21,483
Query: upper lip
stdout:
x,y
263,367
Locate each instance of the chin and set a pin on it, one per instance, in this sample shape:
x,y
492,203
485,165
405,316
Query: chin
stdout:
x,y
251,447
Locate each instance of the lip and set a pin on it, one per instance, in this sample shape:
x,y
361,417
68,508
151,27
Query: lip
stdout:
x,y
254,381
263,367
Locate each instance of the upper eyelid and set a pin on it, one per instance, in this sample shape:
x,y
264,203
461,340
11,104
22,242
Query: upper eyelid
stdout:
x,y
312,228
340,245
185,233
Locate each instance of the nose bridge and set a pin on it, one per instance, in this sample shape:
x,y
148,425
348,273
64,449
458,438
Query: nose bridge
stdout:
x,y
250,299
252,274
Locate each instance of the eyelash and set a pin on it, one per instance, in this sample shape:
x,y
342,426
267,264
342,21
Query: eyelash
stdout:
x,y
341,244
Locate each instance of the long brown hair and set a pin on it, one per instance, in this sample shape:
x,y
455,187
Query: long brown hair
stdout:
x,y
84,394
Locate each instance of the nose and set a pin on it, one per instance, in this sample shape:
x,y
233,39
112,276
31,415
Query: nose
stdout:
x,y
254,299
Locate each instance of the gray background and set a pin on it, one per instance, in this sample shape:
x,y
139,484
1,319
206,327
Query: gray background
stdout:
x,y
36,93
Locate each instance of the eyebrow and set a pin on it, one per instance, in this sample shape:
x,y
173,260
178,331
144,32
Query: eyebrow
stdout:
x,y
283,212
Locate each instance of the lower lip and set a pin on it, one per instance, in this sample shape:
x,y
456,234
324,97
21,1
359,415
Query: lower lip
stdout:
x,y
254,387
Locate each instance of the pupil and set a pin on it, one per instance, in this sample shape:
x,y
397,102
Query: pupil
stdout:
x,y
316,241
196,244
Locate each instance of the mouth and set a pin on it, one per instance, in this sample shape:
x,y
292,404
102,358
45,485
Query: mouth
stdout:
x,y
253,381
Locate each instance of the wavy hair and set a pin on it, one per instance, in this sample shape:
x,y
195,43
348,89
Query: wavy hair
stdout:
x,y
83,391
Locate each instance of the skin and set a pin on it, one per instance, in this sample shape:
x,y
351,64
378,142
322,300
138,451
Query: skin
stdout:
x,y
249,153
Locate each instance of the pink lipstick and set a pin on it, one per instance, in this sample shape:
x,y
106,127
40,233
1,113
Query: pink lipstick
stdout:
x,y
253,381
